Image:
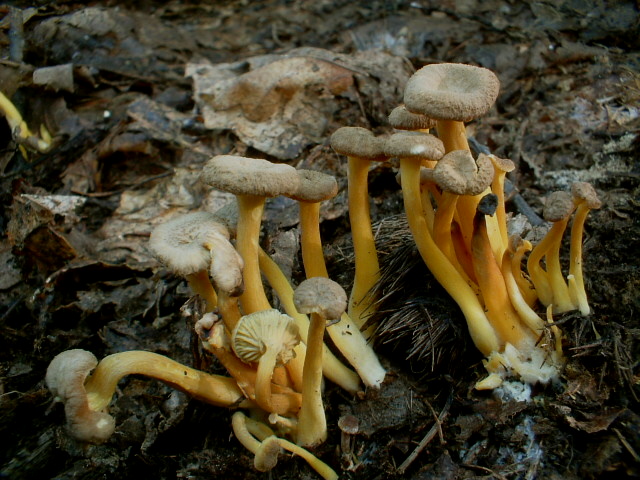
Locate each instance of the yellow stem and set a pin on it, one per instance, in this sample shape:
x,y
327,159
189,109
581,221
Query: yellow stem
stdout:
x,y
250,210
333,368
201,285
367,269
214,389
482,333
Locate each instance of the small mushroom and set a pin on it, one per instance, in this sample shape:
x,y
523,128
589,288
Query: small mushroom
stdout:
x,y
586,199
349,427
216,341
550,285
267,338
315,187
194,246
261,441
65,379
324,300
402,119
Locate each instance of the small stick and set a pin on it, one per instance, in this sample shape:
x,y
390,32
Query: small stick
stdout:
x,y
428,437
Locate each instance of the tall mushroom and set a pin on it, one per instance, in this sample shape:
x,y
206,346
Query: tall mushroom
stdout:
x,y
252,181
585,198
266,337
324,300
361,147
451,94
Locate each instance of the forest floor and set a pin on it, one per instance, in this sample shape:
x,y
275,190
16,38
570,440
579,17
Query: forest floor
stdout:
x,y
143,93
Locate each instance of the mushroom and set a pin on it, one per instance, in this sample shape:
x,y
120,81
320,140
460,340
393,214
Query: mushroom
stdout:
x,y
86,398
252,181
402,119
361,147
19,128
333,368
315,187
458,174
195,245
451,94
65,379
264,446
349,427
502,166
414,148
214,339
585,198
267,338
550,285
324,300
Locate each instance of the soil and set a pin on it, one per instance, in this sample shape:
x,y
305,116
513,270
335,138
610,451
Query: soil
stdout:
x,y
145,93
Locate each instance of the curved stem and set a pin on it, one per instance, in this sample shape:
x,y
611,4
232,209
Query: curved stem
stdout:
x,y
214,389
482,333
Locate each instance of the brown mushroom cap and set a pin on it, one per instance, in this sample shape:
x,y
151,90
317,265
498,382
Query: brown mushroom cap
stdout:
x,y
65,379
322,296
266,457
194,242
358,142
403,119
459,173
584,192
414,145
349,424
250,176
451,91
558,206
266,329
502,164
315,187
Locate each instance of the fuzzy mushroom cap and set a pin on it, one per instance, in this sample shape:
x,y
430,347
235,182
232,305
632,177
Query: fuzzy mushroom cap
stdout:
x,y
414,145
403,119
266,457
558,206
502,164
194,242
267,329
315,187
584,192
451,91
358,142
459,173
322,296
349,424
65,379
250,176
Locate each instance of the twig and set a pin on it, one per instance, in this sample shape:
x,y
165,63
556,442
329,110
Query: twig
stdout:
x,y
484,469
16,35
428,437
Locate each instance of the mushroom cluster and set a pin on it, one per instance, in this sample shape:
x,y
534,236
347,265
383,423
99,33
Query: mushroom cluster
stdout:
x,y
455,209
276,361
